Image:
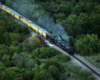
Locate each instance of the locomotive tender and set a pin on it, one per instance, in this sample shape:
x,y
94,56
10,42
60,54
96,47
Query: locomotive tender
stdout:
x,y
38,29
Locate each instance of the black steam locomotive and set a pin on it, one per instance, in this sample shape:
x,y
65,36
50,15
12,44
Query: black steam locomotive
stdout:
x,y
38,29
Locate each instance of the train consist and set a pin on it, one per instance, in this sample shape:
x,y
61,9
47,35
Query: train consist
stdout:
x,y
38,29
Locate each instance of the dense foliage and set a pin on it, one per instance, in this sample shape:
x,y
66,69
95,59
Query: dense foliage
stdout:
x,y
10,30
3,1
95,60
79,17
90,48
29,61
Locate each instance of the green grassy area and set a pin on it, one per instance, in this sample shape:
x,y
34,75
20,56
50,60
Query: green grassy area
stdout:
x,y
95,60
75,73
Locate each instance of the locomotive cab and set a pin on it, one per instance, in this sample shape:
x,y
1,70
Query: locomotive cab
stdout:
x,y
70,50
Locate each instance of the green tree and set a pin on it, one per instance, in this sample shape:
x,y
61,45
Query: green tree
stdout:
x,y
28,75
7,2
14,37
4,50
97,9
13,49
2,66
6,38
15,43
23,30
64,57
44,52
19,64
18,78
53,70
91,78
71,19
22,57
3,1
54,62
86,44
42,75
6,57
91,51
35,44
30,64
85,74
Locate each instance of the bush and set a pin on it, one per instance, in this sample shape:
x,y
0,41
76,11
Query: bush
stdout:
x,y
35,53
64,57
91,78
44,52
56,63
53,70
35,44
87,45
85,74
42,75
28,75
98,60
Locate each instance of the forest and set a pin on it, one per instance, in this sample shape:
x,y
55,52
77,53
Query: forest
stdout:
x,y
80,19
20,61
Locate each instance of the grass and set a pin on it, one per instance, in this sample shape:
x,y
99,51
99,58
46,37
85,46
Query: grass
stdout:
x,y
75,73
95,60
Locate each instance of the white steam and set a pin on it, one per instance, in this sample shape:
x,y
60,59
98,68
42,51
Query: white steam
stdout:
x,y
27,9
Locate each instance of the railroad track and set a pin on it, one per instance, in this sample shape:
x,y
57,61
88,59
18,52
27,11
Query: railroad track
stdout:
x,y
86,66
92,70
49,41
68,53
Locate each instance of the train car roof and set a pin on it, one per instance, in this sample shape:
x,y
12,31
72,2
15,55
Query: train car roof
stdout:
x,y
29,21
38,27
11,10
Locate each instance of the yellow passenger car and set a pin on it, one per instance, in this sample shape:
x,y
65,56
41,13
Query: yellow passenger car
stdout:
x,y
35,28
12,14
8,11
44,34
17,17
28,24
24,20
40,32
3,8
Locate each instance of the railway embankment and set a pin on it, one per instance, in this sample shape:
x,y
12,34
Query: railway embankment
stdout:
x,y
77,63
73,60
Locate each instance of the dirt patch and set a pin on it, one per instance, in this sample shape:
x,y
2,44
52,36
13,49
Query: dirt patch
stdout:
x,y
30,39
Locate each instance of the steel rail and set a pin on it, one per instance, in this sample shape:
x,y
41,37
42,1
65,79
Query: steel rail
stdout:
x,y
65,51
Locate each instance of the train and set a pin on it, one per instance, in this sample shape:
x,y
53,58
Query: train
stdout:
x,y
42,32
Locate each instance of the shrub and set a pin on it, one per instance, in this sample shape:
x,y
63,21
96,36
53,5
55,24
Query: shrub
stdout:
x,y
42,75
53,70
85,74
87,45
35,44
56,63
98,60
91,78
64,57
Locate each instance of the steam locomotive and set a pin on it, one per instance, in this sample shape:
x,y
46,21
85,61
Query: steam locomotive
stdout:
x,y
38,29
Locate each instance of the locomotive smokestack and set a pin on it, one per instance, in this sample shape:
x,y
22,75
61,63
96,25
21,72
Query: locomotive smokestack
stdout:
x,y
26,8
